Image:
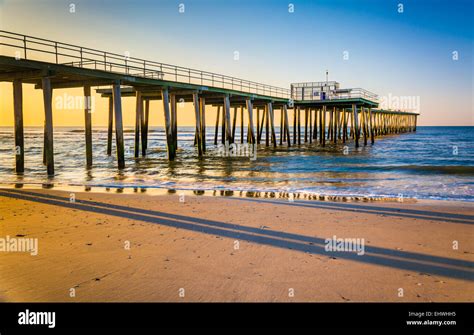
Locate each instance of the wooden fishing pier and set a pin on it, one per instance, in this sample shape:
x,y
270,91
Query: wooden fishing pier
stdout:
x,y
331,114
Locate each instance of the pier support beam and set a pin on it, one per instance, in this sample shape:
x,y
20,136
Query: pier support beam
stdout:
x,y
117,98
272,123
242,124
295,115
250,112
267,126
234,122
110,126
228,130
88,124
145,116
138,120
371,126
19,134
168,128
305,125
48,116
217,124
323,123
286,125
202,109
174,120
355,120
299,125
344,125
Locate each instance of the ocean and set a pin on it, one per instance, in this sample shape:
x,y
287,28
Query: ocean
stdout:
x,y
431,163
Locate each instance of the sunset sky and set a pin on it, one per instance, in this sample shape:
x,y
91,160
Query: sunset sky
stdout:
x,y
389,53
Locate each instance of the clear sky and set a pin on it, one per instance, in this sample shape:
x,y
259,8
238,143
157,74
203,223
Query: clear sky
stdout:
x,y
365,43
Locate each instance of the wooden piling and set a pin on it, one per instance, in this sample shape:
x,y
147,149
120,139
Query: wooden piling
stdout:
x,y
305,125
144,125
272,123
223,123
197,114
282,131
250,113
110,126
174,119
228,130
295,112
355,125
344,125
287,125
234,121
310,125
48,113
117,98
299,125
371,126
88,124
138,118
202,105
19,133
217,124
170,142
267,126
242,124
324,127
258,125
335,122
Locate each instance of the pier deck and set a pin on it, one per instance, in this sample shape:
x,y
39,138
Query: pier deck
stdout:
x,y
348,114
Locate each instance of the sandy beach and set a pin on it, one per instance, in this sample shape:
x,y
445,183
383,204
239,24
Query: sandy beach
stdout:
x,y
232,249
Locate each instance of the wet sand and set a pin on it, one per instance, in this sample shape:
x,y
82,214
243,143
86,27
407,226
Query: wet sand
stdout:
x,y
232,249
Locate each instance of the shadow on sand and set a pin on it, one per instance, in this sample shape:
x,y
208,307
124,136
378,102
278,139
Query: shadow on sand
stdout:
x,y
422,263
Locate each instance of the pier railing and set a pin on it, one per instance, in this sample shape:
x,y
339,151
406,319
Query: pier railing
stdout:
x,y
34,48
307,92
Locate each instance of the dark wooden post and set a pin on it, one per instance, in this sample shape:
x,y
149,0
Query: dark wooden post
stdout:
x,y
372,135
355,120
110,126
294,124
217,124
272,123
250,112
48,113
267,126
145,116
138,117
287,125
234,121
117,98
242,124
168,128
223,126
174,120
88,124
228,130
305,125
299,125
258,125
19,134
324,126
202,104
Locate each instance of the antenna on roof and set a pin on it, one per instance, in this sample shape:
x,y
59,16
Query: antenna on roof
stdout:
x,y
327,76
